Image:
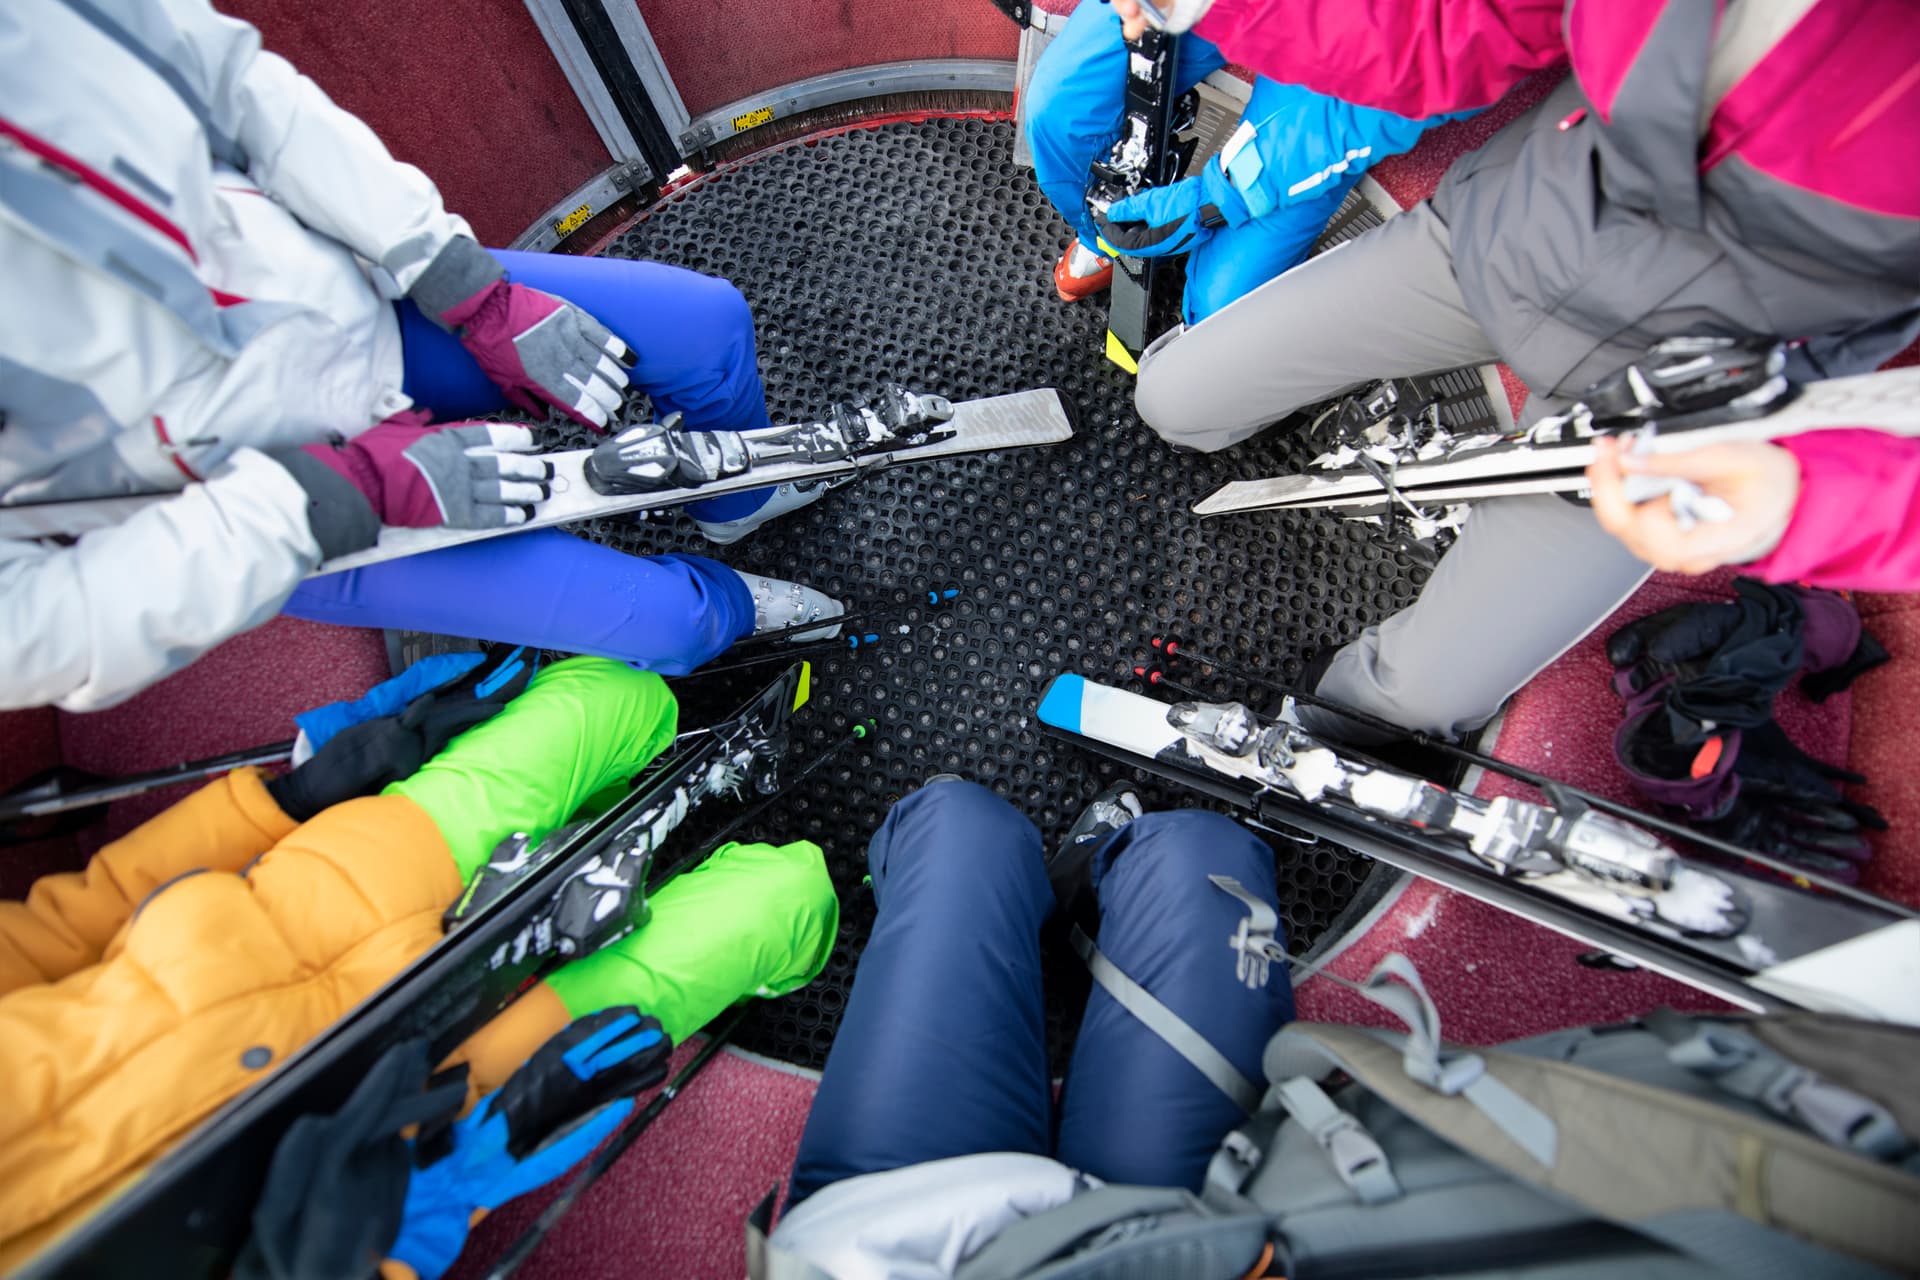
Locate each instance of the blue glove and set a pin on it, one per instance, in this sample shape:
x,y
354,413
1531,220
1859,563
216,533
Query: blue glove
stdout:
x,y
386,698
1176,218
549,1115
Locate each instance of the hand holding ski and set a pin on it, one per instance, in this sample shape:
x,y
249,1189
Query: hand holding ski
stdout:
x,y
1756,484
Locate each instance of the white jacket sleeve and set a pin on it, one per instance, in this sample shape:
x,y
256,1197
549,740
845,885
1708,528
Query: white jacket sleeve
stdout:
x,y
92,624
324,164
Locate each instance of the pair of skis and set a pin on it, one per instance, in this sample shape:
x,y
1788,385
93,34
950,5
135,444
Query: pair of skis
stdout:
x,y
1574,863
193,1207
1420,476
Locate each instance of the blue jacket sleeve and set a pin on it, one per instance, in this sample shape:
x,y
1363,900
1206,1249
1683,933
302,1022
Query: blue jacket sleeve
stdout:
x,y
1292,143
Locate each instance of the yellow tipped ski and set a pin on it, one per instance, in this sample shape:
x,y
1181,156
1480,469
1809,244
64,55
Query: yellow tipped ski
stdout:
x,y
1118,353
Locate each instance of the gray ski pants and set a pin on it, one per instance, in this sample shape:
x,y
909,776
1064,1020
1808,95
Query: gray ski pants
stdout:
x,y
1529,576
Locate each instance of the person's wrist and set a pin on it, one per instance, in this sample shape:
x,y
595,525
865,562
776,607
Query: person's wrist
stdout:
x,y
1779,486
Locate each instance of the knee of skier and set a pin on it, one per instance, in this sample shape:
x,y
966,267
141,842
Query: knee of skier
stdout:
x,y
954,833
1165,859
1164,398
725,395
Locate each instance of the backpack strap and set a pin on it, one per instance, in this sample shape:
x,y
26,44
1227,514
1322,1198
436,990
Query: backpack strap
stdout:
x,y
1168,1025
1737,1192
1424,1058
1740,1065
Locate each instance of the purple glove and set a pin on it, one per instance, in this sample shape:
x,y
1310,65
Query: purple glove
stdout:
x,y
465,475
540,350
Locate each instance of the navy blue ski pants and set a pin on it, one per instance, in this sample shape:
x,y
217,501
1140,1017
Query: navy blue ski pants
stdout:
x,y
943,1049
693,335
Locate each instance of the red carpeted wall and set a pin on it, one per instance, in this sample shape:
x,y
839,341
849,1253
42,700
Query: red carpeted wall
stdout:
x,y
724,50
466,89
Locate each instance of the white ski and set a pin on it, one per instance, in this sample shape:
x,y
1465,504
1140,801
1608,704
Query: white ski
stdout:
x,y
1885,401
1748,939
997,422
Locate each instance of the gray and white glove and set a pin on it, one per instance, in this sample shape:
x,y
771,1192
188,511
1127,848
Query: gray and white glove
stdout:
x,y
540,350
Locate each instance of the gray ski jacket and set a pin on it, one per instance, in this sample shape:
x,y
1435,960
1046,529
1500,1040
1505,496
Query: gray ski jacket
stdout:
x,y
1757,174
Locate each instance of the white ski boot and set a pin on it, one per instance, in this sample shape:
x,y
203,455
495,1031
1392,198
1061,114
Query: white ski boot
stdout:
x,y
785,498
778,604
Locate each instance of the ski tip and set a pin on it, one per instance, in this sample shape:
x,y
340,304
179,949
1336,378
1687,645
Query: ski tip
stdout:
x,y
803,688
1069,408
1060,705
1118,353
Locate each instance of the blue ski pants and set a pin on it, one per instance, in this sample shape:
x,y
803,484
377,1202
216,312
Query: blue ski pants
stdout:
x,y
693,335
1075,102
943,1048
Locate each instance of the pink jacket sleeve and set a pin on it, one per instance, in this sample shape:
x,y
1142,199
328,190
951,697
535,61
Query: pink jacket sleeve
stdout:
x,y
1416,58
1857,524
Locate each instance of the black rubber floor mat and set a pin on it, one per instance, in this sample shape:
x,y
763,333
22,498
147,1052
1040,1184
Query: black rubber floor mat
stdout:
x,y
919,253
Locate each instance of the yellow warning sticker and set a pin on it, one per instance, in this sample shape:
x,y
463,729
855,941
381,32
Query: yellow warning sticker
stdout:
x,y
573,221
748,119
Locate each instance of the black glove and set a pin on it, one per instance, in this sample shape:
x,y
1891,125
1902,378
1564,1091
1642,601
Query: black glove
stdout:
x,y
331,1205
1728,660
1790,805
614,1053
1760,640
358,761
442,714
363,758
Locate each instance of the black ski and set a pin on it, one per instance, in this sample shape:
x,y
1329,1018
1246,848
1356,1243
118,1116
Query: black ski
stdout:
x,y
192,1208
1144,156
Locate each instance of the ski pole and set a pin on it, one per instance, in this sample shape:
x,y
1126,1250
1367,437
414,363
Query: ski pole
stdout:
x,y
1156,676
1550,786
48,798
789,653
617,1146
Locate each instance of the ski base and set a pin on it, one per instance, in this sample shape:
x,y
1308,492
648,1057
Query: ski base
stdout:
x,y
1013,421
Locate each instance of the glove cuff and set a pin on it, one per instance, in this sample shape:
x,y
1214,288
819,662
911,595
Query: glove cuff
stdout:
x,y
339,511
456,282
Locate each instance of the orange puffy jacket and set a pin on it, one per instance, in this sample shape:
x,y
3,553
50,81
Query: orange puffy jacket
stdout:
x,y
191,956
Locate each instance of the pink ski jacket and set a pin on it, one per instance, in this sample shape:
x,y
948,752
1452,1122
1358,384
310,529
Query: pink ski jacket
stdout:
x,y
1857,523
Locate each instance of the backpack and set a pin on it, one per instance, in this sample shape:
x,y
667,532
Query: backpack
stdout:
x,y
1675,1147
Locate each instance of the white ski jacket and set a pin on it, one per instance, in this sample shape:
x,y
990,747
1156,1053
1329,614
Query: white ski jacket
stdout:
x,y
199,252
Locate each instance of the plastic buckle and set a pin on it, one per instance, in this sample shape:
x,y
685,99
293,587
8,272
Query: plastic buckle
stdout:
x,y
1458,1074
1251,965
1845,1119
1358,1159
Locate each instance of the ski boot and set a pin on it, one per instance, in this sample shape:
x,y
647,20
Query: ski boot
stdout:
x,y
778,604
1069,869
1081,273
782,500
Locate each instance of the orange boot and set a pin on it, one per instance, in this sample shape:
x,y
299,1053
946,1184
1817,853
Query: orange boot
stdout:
x,y
1072,286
